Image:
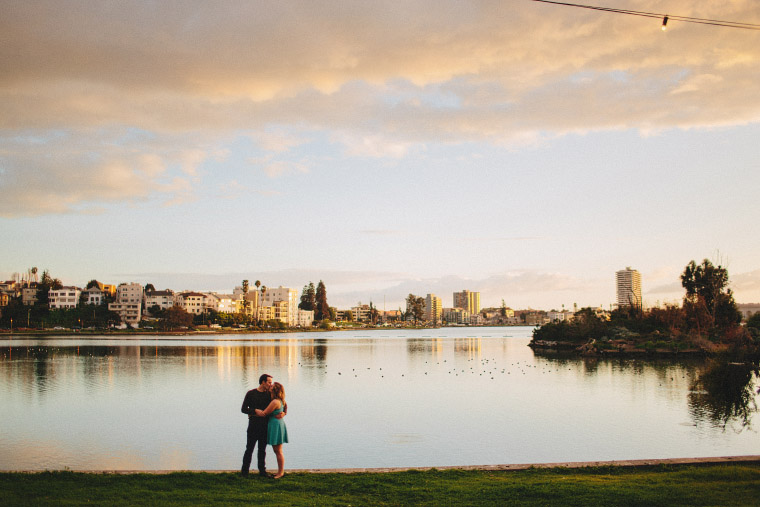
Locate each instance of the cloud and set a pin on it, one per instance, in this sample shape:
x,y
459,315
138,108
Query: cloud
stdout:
x,y
64,173
164,67
277,141
372,78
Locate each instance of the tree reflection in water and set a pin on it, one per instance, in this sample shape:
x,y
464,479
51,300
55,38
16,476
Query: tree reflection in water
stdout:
x,y
725,393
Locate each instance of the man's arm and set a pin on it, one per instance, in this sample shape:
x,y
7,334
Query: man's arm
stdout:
x,y
246,408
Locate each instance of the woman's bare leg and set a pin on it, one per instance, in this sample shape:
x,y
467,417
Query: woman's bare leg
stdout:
x,y
280,461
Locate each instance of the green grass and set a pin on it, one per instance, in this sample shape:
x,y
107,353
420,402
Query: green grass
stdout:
x,y
718,485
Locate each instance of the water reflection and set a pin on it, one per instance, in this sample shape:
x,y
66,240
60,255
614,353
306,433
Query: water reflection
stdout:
x,y
381,399
725,394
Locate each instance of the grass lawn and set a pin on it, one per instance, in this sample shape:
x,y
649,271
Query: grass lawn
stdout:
x,y
719,485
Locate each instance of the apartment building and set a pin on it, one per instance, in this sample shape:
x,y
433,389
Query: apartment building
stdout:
x,y
29,295
305,318
65,297
628,288
456,316
92,296
467,300
283,294
164,299
129,300
433,308
193,302
360,313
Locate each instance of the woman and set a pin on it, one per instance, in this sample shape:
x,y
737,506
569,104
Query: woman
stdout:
x,y
277,432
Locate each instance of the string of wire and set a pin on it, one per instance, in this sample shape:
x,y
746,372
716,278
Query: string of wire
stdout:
x,y
686,19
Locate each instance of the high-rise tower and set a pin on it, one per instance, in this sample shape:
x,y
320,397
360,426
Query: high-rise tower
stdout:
x,y
628,288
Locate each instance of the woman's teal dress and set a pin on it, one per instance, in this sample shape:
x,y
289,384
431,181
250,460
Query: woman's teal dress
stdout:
x,y
277,432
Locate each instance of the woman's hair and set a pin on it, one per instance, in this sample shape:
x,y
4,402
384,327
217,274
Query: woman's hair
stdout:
x,y
278,392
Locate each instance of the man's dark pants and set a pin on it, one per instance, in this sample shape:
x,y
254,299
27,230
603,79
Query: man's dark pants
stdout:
x,y
257,434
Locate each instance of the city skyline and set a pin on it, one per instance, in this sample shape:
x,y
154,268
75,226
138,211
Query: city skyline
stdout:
x,y
522,150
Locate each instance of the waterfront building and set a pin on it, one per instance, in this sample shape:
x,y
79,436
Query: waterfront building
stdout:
x,y
108,288
563,316
193,302
456,316
360,313
129,300
305,318
283,294
467,300
246,302
433,308
29,295
65,297
92,296
628,288
228,303
164,299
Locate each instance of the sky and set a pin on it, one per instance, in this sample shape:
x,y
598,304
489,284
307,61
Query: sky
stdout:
x,y
516,148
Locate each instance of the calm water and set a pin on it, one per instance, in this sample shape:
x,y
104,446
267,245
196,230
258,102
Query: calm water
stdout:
x,y
364,399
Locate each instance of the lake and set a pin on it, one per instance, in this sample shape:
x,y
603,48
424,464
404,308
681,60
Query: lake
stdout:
x,y
380,398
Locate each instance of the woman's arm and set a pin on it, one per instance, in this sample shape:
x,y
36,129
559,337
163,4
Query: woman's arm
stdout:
x,y
273,405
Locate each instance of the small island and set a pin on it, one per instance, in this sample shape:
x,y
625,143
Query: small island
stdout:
x,y
708,323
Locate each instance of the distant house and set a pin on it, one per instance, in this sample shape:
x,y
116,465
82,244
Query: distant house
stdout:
x,y
93,296
164,299
29,294
65,297
129,299
193,302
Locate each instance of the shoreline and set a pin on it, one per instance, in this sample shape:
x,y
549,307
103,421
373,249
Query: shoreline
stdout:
x,y
136,334
631,463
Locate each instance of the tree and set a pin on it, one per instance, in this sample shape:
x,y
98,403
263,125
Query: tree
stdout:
x,y
93,283
373,313
176,317
149,288
308,298
322,309
415,307
246,303
44,286
707,293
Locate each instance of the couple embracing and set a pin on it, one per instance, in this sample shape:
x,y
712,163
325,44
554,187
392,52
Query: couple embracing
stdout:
x,y
265,407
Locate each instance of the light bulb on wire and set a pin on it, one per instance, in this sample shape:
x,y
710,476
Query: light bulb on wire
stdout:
x,y
664,23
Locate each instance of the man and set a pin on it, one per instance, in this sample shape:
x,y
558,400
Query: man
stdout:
x,y
257,426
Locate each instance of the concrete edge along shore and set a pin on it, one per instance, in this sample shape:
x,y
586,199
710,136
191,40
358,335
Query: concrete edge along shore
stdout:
x,y
503,468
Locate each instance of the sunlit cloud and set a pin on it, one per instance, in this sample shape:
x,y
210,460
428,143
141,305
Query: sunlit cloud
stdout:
x,y
371,79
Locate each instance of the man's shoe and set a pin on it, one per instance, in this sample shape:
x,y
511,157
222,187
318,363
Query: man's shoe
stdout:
x,y
267,475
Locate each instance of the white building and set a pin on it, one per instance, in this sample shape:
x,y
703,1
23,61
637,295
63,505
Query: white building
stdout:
x,y
93,296
164,299
628,288
305,318
564,315
229,303
287,295
456,316
193,302
360,313
65,297
129,300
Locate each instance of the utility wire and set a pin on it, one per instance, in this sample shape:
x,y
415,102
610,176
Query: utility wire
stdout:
x,y
686,19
